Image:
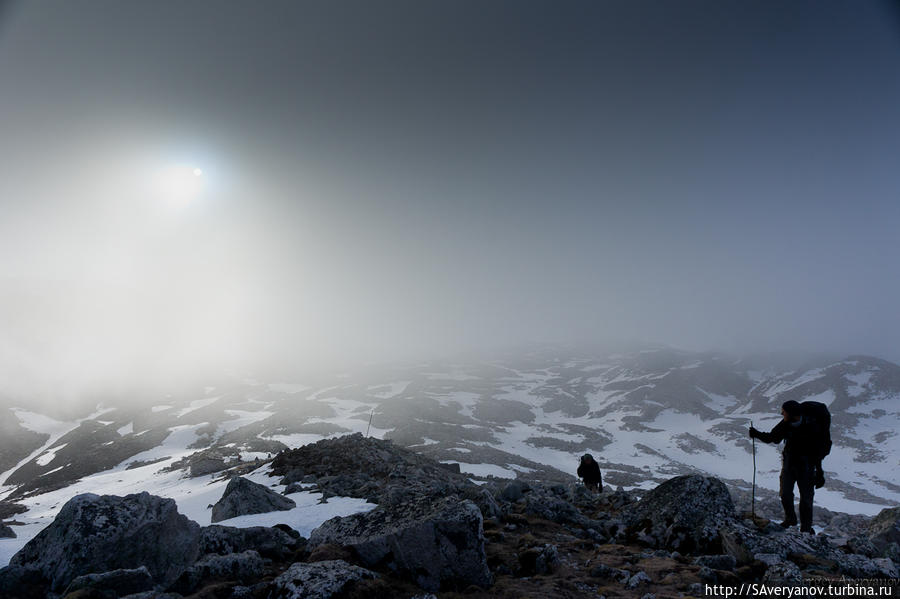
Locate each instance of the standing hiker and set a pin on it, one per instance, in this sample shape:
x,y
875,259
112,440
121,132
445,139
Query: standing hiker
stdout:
x,y
589,471
804,429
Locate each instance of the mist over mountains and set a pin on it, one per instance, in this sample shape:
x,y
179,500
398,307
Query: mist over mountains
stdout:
x,y
645,415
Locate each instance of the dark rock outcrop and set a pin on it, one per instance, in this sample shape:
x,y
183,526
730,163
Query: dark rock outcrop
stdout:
x,y
6,532
243,497
438,544
8,509
96,534
277,542
242,567
884,533
318,580
747,544
18,441
90,448
17,582
372,469
684,514
120,582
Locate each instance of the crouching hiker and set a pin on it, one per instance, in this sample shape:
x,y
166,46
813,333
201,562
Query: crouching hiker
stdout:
x,y
805,429
589,472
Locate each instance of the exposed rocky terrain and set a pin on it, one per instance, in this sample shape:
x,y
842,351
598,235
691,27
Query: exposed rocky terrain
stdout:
x,y
435,531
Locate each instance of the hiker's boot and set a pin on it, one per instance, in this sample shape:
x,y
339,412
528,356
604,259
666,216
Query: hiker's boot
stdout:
x,y
788,523
807,530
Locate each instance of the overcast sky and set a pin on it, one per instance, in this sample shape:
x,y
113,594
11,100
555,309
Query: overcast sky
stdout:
x,y
388,180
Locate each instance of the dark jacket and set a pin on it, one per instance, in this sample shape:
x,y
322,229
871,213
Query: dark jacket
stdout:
x,y
590,472
798,440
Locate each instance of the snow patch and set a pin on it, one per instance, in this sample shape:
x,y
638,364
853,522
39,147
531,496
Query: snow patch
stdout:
x,y
48,457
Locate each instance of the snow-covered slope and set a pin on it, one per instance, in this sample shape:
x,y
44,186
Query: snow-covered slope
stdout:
x,y
645,416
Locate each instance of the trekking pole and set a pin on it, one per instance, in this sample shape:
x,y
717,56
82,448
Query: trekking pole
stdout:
x,y
372,415
753,497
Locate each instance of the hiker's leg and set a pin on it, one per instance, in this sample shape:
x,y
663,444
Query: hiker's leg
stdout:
x,y
806,486
787,493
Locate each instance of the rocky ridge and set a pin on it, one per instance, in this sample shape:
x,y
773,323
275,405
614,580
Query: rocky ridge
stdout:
x,y
434,531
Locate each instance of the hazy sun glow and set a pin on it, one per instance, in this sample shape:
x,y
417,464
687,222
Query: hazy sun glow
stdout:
x,y
180,183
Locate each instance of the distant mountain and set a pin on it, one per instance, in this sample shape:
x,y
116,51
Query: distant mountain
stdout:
x,y
645,415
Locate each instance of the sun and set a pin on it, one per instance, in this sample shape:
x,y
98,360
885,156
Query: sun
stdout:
x,y
180,183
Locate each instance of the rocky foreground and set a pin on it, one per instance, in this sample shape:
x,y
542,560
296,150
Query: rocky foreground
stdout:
x,y
434,533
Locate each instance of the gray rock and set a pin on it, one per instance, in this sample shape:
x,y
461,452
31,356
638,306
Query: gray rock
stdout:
x,y
438,544
100,534
769,559
243,497
542,502
707,574
884,530
17,582
604,571
6,532
740,541
276,542
317,580
538,560
485,501
783,573
887,566
514,491
8,509
716,562
637,580
862,545
121,582
206,465
236,567
685,513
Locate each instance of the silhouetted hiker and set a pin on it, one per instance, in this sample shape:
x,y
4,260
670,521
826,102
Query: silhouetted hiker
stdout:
x,y
801,458
589,471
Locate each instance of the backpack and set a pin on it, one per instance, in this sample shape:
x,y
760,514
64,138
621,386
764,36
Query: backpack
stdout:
x,y
820,419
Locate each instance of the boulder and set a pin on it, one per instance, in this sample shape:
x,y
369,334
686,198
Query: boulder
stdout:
x,y
684,514
884,530
95,533
318,580
783,574
485,501
438,544
121,582
6,532
206,465
746,544
243,497
514,490
276,542
17,582
548,506
538,560
242,567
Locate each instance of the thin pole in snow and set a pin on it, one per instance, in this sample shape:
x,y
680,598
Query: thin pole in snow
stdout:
x,y
373,415
753,500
